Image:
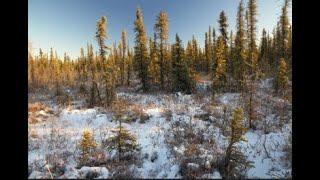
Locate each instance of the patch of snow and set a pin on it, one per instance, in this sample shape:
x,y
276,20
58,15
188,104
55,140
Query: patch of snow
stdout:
x,y
179,150
230,99
36,175
255,151
103,172
216,175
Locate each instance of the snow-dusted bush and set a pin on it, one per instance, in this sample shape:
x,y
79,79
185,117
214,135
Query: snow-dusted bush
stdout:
x,y
33,144
33,141
192,148
189,164
94,172
56,139
56,163
203,116
121,170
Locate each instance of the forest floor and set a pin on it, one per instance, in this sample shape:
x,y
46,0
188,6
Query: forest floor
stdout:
x,y
57,130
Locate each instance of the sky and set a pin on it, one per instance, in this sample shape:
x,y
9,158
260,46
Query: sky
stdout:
x,y
67,25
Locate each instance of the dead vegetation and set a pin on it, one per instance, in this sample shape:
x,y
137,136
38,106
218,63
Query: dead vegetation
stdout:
x,y
38,112
195,151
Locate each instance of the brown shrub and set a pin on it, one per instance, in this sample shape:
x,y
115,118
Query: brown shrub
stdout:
x,y
32,119
189,166
35,112
34,134
63,99
167,113
34,107
199,98
138,113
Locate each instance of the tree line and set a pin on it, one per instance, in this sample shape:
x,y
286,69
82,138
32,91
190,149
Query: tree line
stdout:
x,y
233,60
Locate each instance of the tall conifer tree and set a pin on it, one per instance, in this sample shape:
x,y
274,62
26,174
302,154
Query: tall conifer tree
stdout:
x,y
161,28
141,59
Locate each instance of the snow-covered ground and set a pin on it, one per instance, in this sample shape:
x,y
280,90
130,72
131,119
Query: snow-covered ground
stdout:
x,y
62,131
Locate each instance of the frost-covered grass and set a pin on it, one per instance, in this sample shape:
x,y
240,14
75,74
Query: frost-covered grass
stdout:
x,y
60,133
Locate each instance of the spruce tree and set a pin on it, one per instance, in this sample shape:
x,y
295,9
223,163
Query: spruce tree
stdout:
x,y
94,91
210,50
289,55
82,71
116,57
290,46
282,79
213,40
189,59
253,57
87,147
52,79
263,61
195,55
213,63
108,73
284,29
207,51
223,27
123,141
161,28
180,75
231,65
31,72
281,85
250,80
55,73
235,161
154,68
240,54
51,56
141,59
189,54
219,78
129,66
123,54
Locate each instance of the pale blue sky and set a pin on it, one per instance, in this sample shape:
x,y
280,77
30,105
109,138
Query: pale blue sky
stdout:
x,y
67,25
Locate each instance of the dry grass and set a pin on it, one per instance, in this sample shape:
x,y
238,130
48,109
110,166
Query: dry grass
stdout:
x,y
138,113
38,112
34,107
34,134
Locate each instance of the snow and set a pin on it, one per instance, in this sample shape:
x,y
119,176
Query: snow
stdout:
x,y
180,150
102,171
230,99
151,139
216,175
263,165
36,175
151,135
